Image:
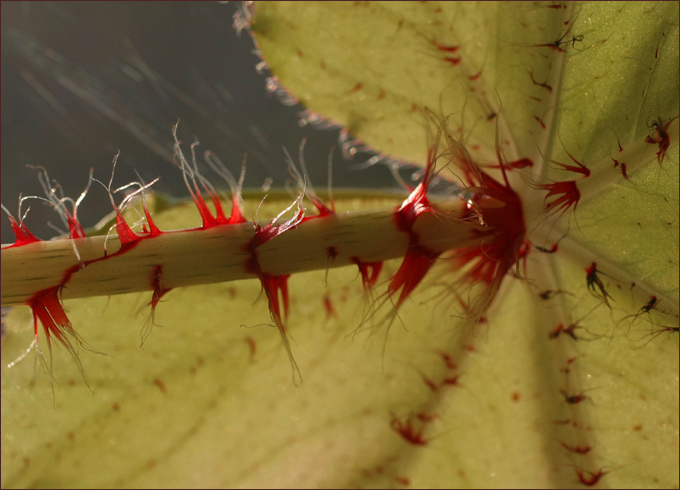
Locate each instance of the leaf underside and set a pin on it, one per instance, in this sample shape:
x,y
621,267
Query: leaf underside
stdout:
x,y
488,403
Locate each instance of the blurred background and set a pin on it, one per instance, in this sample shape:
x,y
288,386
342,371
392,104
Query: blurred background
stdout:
x,y
82,80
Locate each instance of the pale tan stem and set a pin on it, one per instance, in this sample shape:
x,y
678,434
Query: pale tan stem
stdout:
x,y
219,254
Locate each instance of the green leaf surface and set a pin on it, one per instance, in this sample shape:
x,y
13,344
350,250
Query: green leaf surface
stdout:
x,y
425,398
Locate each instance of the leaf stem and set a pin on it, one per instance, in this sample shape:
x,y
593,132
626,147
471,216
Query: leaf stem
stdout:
x,y
218,254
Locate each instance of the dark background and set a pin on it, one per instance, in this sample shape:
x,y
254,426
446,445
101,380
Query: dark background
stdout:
x,y
81,80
